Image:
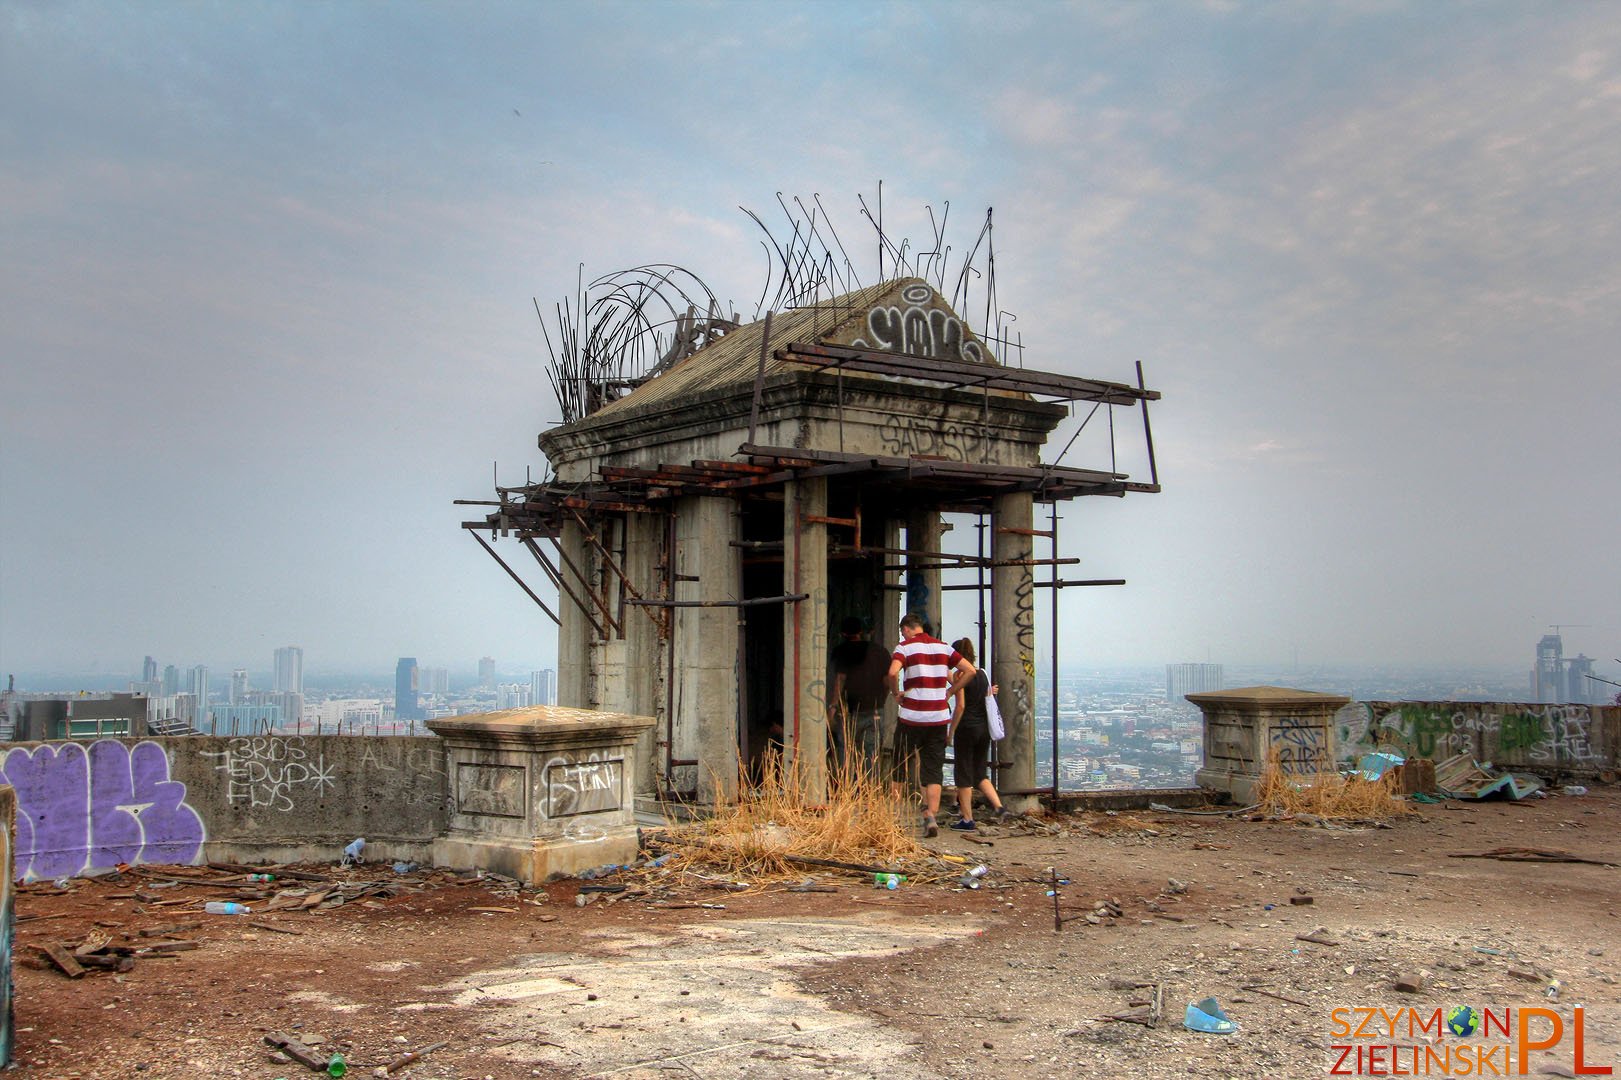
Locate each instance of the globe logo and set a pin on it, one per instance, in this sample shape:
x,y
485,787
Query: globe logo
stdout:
x,y
1463,1021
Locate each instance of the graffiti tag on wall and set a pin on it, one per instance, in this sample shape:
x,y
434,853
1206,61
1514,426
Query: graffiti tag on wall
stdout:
x,y
919,329
588,785
1550,735
82,808
1301,745
266,771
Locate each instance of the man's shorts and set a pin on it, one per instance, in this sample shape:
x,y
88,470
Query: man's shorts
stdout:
x,y
928,743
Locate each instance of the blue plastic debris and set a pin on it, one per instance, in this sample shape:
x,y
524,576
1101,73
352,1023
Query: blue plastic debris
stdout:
x,y
1206,1017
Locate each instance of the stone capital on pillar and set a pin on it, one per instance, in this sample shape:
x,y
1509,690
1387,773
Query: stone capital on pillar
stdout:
x,y
540,791
1244,729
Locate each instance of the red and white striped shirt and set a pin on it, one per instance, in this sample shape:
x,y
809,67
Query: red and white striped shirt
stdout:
x,y
926,666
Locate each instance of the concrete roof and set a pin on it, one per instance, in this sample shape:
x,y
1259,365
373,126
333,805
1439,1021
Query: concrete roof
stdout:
x,y
842,320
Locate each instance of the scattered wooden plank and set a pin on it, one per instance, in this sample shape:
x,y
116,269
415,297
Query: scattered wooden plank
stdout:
x,y
412,1056
1318,936
120,964
63,959
158,947
296,1050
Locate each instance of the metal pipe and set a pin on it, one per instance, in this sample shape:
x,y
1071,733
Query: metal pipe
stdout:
x,y
1053,631
585,583
1148,432
754,601
513,574
563,586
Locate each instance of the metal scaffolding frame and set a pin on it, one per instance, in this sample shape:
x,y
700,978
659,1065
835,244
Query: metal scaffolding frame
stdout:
x,y
539,511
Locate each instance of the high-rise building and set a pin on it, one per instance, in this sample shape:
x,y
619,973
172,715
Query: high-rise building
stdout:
x,y
1184,679
543,687
197,685
171,681
486,672
405,690
290,669
239,686
1548,676
433,680
149,670
1582,689
512,696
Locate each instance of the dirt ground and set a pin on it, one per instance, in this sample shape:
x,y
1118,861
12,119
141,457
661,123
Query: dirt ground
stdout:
x,y
926,980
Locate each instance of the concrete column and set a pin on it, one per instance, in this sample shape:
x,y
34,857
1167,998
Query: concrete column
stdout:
x,y
574,630
644,673
1013,642
923,532
805,636
706,638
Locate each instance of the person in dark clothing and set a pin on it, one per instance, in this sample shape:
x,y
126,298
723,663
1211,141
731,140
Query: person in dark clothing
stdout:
x,y
859,689
971,744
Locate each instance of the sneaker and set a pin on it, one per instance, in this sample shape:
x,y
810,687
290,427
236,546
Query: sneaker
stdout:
x,y
965,825
1005,815
930,828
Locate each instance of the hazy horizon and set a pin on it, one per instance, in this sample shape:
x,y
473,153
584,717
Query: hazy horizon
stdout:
x,y
268,300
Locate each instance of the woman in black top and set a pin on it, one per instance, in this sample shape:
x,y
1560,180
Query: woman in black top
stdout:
x,y
971,745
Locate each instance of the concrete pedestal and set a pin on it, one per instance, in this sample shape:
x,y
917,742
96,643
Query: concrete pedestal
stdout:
x,y
1243,728
540,792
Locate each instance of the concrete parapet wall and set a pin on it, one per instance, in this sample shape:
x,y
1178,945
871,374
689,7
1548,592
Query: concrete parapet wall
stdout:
x,y
86,806
1550,740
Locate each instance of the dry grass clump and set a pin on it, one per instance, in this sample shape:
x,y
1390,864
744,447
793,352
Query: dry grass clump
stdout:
x,y
771,831
1329,794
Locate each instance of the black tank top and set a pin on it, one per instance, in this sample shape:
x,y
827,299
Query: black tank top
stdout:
x,y
973,702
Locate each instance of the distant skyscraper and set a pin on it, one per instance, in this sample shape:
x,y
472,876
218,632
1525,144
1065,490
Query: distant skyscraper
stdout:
x,y
543,687
1581,689
405,690
1184,679
198,687
290,669
239,686
171,681
149,670
433,680
486,672
1548,677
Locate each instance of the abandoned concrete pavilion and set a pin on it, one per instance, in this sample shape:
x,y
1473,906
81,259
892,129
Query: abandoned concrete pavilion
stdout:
x,y
711,528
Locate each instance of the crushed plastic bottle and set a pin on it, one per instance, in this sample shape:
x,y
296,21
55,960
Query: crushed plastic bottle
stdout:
x,y
227,907
355,851
261,877
888,881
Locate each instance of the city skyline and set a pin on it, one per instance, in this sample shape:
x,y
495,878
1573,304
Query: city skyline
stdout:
x,y
1367,253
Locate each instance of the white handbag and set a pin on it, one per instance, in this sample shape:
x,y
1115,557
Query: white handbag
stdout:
x,y
994,715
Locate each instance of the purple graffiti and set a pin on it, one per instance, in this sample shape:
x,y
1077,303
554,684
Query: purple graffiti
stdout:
x,y
115,804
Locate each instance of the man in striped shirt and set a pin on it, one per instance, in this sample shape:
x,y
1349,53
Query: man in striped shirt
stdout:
x,y
923,675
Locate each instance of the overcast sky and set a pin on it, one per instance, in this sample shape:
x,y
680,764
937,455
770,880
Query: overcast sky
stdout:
x,y
266,275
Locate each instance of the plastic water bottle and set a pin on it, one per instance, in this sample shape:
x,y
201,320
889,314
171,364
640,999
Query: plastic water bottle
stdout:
x,y
227,907
261,877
